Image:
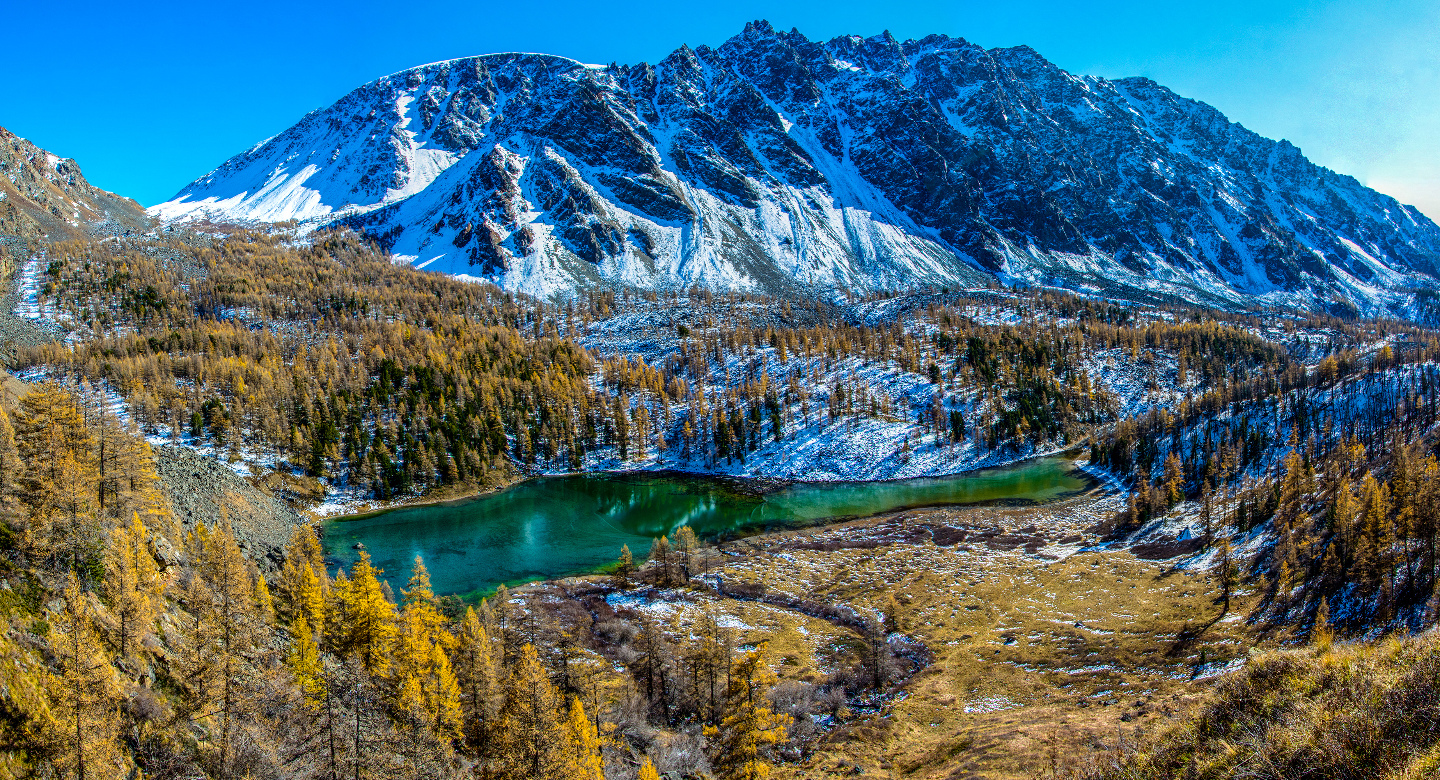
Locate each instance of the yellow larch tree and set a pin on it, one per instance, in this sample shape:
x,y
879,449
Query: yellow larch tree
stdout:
x,y
749,725
530,740
427,692
687,544
419,599
303,583
365,625
583,760
127,480
304,661
226,621
132,584
475,670
60,478
264,602
1376,532
85,693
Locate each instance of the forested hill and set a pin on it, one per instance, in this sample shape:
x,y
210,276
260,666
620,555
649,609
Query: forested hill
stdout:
x,y
387,382
131,645
43,196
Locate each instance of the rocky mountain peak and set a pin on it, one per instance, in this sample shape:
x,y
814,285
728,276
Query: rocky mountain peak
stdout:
x,y
860,163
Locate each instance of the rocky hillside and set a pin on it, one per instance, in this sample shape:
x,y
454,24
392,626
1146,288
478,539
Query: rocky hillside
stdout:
x,y
775,161
43,196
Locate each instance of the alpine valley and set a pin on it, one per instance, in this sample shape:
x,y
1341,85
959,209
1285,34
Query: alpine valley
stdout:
x,y
784,409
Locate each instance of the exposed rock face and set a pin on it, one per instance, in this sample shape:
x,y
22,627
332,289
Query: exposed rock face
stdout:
x,y
777,162
44,196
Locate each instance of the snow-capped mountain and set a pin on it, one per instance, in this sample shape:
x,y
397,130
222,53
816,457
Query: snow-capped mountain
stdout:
x,y
776,162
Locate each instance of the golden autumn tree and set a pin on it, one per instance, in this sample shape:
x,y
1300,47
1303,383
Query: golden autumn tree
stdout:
x,y
624,567
419,600
221,633
1376,532
583,760
427,692
60,478
127,480
660,553
531,740
708,659
476,671
132,584
1174,476
687,544
194,656
303,583
365,623
85,693
749,725
264,602
647,770
304,661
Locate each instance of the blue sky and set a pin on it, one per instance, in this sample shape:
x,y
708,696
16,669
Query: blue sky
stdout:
x,y
150,96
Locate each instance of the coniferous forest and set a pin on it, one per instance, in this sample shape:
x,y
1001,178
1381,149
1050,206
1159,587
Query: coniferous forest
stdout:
x,y
138,644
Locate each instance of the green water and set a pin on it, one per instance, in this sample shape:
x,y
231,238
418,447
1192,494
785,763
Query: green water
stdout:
x,y
555,526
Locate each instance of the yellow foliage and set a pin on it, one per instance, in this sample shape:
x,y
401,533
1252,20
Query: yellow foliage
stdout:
x,y
85,691
132,584
749,725
530,740
476,674
304,660
365,626
583,759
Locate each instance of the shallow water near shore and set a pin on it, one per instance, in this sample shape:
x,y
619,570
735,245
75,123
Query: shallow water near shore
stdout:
x,y
556,526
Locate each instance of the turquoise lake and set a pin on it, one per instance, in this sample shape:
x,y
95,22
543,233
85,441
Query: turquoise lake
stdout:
x,y
556,526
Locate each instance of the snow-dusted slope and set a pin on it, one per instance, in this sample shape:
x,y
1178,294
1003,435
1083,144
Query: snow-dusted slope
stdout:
x,y
777,162
43,195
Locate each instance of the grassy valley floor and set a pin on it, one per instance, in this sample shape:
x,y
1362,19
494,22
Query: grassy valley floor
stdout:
x,y
1047,657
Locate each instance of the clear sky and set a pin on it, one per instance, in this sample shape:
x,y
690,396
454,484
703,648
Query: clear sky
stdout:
x,y
148,96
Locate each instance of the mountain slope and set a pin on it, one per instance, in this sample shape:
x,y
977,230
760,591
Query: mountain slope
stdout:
x,y
45,196
778,162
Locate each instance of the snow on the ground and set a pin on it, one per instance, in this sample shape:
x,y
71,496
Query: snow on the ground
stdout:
x,y
1140,383
27,290
989,704
815,447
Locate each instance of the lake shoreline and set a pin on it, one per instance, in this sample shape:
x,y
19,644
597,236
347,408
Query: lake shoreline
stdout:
x,y
564,526
771,484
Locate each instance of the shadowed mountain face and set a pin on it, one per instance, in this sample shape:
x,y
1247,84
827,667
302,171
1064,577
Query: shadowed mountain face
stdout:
x,y
779,163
